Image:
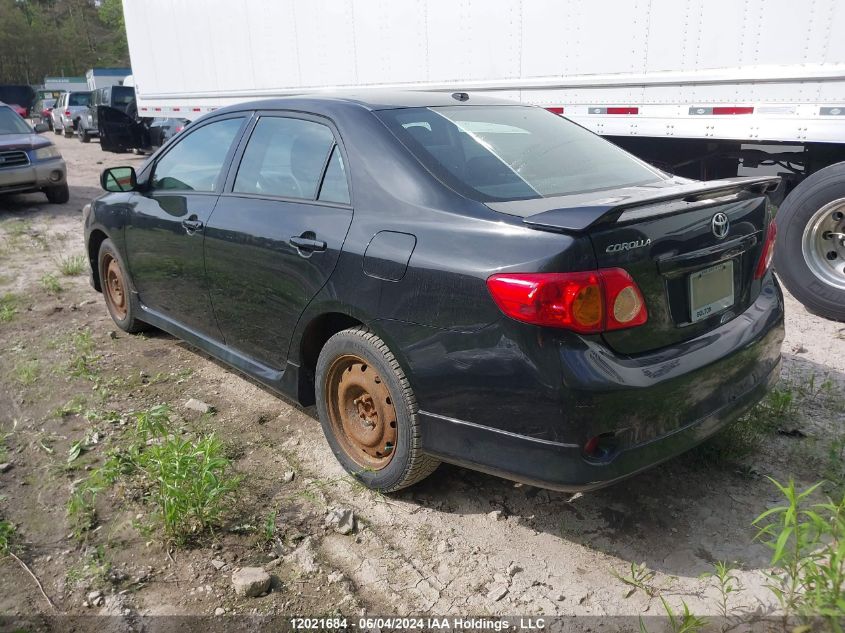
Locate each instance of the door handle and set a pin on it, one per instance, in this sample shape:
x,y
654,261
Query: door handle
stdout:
x,y
192,224
308,244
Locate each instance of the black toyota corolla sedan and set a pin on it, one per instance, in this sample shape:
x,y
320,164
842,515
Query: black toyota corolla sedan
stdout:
x,y
451,278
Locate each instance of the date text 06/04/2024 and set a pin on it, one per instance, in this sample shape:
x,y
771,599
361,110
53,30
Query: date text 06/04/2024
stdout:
x,y
419,623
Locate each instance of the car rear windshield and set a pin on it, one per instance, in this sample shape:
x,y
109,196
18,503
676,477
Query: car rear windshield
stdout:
x,y
79,98
12,123
495,153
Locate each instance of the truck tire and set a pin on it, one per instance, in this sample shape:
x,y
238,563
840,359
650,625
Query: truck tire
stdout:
x,y
810,250
83,135
57,130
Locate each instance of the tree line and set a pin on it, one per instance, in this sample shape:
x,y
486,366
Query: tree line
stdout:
x,y
59,38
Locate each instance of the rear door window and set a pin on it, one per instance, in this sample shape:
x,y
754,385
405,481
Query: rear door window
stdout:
x,y
285,157
335,187
194,163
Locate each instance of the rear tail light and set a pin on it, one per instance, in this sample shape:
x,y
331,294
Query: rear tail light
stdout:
x,y
67,112
588,302
768,251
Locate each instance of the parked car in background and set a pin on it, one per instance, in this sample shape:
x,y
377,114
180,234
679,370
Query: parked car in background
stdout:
x,y
162,130
117,97
18,97
512,293
68,110
29,162
42,111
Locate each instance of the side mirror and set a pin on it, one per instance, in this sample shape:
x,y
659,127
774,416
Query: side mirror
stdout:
x,y
40,128
118,179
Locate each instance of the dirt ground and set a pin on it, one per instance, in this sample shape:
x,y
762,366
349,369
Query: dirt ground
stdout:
x,y
460,543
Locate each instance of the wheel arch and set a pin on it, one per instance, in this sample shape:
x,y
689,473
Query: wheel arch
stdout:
x,y
95,240
318,330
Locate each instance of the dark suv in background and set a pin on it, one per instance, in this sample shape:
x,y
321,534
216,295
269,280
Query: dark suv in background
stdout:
x,y
29,162
118,97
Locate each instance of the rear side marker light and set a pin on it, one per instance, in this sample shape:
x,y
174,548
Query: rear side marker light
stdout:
x,y
623,111
768,251
733,110
588,302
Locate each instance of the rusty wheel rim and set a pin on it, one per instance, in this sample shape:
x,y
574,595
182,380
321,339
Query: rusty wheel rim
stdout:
x,y
361,412
114,288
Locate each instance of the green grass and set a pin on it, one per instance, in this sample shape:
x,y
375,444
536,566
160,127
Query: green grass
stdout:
x,y
74,406
8,307
187,481
7,537
50,283
17,228
26,373
72,265
807,540
83,362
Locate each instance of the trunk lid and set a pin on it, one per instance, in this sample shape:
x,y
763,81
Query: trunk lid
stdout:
x,y
695,271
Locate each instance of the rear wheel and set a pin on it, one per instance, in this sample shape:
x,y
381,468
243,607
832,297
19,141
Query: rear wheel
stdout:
x,y
116,290
810,254
59,194
57,130
369,412
83,135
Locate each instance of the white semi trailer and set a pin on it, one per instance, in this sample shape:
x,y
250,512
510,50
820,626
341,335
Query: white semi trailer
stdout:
x,y
701,88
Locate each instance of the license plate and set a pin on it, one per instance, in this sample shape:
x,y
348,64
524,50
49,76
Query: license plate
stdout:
x,y
711,290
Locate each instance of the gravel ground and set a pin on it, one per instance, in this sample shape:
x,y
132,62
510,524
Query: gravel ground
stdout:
x,y
460,543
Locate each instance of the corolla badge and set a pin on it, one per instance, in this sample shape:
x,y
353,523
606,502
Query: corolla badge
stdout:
x,y
720,224
627,246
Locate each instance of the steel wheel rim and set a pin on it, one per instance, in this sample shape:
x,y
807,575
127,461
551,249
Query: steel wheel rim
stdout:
x,y
114,288
361,412
823,244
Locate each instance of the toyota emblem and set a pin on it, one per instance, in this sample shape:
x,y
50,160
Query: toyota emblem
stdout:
x,y
720,225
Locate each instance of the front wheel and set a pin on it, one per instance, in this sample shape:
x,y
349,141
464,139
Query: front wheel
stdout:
x,y
59,194
368,412
810,254
116,289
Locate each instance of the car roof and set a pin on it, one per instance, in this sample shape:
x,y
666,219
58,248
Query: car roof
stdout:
x,y
371,100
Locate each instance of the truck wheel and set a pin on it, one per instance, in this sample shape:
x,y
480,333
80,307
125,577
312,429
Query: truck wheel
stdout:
x,y
68,132
84,136
57,130
59,194
369,412
810,253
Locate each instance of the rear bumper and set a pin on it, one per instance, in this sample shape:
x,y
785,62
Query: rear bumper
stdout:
x,y
33,177
647,409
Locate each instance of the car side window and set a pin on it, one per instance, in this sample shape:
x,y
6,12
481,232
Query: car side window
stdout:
x,y
335,187
194,163
284,157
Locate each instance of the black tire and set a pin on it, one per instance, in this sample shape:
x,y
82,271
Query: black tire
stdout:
x,y
408,464
84,136
57,130
793,219
127,322
67,132
59,194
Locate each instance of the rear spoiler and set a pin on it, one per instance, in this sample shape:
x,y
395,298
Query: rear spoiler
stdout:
x,y
579,212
